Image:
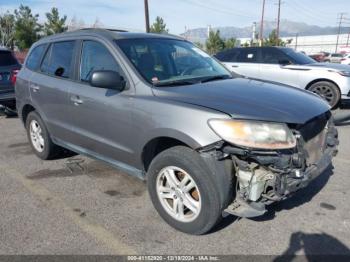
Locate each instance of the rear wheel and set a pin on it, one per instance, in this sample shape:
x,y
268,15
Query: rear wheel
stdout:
x,y
183,191
328,91
39,137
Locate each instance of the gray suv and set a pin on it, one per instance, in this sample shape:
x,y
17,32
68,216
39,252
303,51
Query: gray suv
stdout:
x,y
160,109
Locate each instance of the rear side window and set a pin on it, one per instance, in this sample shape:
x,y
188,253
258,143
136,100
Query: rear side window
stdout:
x,y
34,57
58,59
228,56
272,56
95,56
247,56
7,58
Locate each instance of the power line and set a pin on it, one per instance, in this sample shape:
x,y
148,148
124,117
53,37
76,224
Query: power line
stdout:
x,y
216,9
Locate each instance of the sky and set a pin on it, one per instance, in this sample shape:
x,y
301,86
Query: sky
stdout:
x,y
181,14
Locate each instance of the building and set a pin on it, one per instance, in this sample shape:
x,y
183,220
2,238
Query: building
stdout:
x,y
315,44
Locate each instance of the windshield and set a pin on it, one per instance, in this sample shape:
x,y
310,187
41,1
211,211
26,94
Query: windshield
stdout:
x,y
7,59
298,57
162,61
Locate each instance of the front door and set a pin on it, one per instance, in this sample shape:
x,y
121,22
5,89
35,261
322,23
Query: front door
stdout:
x,y
100,118
274,67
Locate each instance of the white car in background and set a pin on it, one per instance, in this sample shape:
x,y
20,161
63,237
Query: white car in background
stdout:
x,y
334,58
284,65
346,60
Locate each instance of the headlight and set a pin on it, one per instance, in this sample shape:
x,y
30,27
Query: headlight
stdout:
x,y
344,73
254,134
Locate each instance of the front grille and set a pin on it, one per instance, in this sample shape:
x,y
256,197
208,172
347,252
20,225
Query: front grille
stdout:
x,y
314,134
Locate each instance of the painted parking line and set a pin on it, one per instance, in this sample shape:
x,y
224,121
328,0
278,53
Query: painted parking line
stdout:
x,y
97,231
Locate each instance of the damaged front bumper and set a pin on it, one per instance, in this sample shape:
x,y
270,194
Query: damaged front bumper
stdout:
x,y
266,177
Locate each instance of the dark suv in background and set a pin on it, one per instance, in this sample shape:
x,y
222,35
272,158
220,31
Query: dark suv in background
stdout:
x,y
159,108
9,67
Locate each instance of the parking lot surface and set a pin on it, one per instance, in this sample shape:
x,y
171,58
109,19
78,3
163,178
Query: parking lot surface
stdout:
x,y
95,209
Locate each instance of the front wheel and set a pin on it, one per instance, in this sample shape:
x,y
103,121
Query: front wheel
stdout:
x,y
328,91
183,191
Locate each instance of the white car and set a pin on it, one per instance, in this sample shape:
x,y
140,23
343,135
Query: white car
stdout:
x,y
284,65
334,58
346,60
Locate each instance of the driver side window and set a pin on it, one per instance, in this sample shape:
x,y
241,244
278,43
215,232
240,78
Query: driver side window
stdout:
x,y
95,56
273,56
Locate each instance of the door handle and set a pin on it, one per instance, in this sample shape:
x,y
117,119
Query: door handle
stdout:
x,y
35,88
76,100
234,65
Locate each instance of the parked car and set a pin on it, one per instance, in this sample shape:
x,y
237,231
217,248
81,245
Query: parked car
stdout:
x,y
159,108
284,65
334,58
9,68
317,57
345,60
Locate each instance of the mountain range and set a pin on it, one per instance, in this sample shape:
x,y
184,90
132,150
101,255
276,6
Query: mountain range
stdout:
x,y
287,28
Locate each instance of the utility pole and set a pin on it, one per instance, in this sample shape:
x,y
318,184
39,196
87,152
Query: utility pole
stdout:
x,y
146,15
278,23
296,41
262,24
339,29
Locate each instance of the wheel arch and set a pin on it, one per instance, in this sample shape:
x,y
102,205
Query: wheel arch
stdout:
x,y
321,80
157,145
26,109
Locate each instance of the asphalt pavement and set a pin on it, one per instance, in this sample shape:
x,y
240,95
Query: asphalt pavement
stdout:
x,y
46,208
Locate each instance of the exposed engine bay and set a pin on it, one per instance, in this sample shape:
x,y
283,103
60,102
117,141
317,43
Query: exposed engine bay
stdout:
x,y
264,177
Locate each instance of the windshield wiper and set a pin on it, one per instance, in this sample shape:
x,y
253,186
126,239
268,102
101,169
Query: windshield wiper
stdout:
x,y
175,83
214,78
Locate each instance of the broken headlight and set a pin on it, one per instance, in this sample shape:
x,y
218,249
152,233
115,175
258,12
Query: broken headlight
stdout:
x,y
254,134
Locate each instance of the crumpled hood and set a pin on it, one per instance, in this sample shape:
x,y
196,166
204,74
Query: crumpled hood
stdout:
x,y
250,99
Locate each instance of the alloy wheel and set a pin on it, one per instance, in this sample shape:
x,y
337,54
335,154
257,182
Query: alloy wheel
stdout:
x,y
36,136
178,193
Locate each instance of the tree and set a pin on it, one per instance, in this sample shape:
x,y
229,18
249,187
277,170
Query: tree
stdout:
x,y
159,26
214,42
230,43
97,23
198,44
55,24
273,41
7,32
26,27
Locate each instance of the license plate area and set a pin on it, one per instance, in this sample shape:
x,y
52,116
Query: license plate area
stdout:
x,y
4,76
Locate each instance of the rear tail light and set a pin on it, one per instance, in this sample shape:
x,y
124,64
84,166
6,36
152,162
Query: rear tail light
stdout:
x,y
14,76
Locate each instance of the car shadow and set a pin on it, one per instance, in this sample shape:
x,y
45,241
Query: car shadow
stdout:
x,y
316,247
298,198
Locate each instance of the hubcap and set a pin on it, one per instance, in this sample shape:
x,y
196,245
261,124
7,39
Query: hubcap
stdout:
x,y
178,193
325,92
36,136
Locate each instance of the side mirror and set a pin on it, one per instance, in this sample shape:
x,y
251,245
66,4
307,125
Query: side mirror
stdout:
x,y
107,79
284,62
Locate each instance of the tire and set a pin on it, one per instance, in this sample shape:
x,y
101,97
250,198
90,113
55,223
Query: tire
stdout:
x,y
48,150
328,91
185,163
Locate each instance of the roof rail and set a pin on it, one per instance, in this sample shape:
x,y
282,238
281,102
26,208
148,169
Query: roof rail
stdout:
x,y
109,29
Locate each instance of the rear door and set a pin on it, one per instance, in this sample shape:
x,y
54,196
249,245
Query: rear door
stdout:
x,y
49,87
244,61
100,117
